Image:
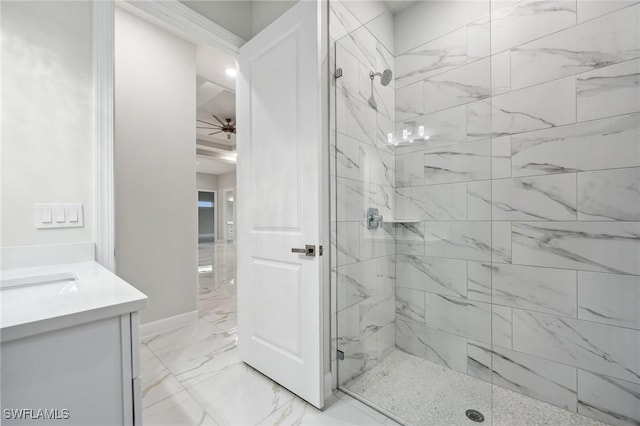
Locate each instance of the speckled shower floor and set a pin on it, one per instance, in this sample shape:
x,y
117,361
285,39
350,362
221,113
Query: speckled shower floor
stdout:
x,y
423,393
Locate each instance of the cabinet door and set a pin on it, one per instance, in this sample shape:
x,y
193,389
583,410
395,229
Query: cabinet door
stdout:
x,y
80,369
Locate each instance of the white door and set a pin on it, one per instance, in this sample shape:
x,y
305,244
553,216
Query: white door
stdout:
x,y
278,202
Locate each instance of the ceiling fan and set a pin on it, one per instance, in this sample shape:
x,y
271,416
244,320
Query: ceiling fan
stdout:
x,y
228,127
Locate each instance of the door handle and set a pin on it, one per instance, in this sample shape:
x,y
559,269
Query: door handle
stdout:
x,y
308,250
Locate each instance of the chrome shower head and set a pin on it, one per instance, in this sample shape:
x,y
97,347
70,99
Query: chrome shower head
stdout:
x,y
385,76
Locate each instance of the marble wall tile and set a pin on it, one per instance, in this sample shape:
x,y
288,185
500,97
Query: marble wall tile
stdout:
x,y
609,195
609,299
458,163
410,305
478,39
462,85
350,199
362,45
590,45
356,282
459,240
601,144
500,73
348,158
409,238
382,197
441,348
603,349
546,105
479,200
501,242
386,340
516,22
613,401
501,157
409,101
360,354
347,242
341,20
367,10
377,312
536,377
432,202
462,317
439,55
409,170
354,118
547,290
535,198
590,9
442,276
609,91
376,242
479,120
443,128
501,326
588,246
350,81
479,281
425,21
384,126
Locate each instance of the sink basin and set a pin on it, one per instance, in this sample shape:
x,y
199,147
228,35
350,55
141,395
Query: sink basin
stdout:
x,y
42,285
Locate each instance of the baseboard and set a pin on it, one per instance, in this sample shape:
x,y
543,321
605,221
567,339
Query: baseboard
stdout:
x,y
49,254
166,324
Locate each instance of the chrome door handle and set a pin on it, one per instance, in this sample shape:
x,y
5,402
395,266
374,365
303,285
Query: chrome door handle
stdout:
x,y
308,250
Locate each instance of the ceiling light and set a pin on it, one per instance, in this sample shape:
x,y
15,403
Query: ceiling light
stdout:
x,y
231,72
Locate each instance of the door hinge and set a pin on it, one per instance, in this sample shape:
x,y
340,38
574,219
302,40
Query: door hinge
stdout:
x,y
340,355
320,251
338,73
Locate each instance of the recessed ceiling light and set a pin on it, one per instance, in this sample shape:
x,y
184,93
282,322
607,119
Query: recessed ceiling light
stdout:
x,y
231,72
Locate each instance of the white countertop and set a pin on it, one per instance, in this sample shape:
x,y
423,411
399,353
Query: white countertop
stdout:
x,y
75,293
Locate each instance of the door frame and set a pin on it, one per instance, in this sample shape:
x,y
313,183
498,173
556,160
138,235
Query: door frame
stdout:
x,y
215,210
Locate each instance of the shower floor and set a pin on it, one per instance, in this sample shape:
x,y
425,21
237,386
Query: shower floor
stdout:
x,y
423,393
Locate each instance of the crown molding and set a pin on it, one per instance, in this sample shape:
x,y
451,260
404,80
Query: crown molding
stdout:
x,y
185,22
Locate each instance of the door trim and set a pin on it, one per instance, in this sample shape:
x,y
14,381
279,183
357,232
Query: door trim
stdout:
x,y
104,41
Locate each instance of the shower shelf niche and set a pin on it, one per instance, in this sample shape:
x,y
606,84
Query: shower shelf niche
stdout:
x,y
402,220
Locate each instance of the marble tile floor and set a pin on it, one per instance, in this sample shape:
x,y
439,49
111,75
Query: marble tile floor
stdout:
x,y
193,375
423,393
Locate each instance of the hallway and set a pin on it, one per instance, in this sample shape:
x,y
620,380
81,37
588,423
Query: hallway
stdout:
x,y
193,375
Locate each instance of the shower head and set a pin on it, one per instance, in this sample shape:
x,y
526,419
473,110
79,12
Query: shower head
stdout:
x,y
385,76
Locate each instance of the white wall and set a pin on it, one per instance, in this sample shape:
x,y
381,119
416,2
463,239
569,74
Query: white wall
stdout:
x,y
155,176
48,141
226,181
206,181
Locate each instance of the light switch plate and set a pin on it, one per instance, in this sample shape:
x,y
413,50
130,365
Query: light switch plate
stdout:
x,y
58,215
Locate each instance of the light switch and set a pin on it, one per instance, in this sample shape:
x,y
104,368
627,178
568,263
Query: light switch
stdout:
x,y
72,215
45,215
60,216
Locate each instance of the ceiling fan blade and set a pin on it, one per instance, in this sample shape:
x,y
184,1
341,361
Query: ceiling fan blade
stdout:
x,y
220,121
206,122
215,133
208,128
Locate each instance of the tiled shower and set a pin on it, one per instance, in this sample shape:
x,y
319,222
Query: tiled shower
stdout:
x,y
504,157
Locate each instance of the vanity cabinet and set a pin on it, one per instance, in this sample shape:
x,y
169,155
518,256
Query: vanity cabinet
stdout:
x,y
84,374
